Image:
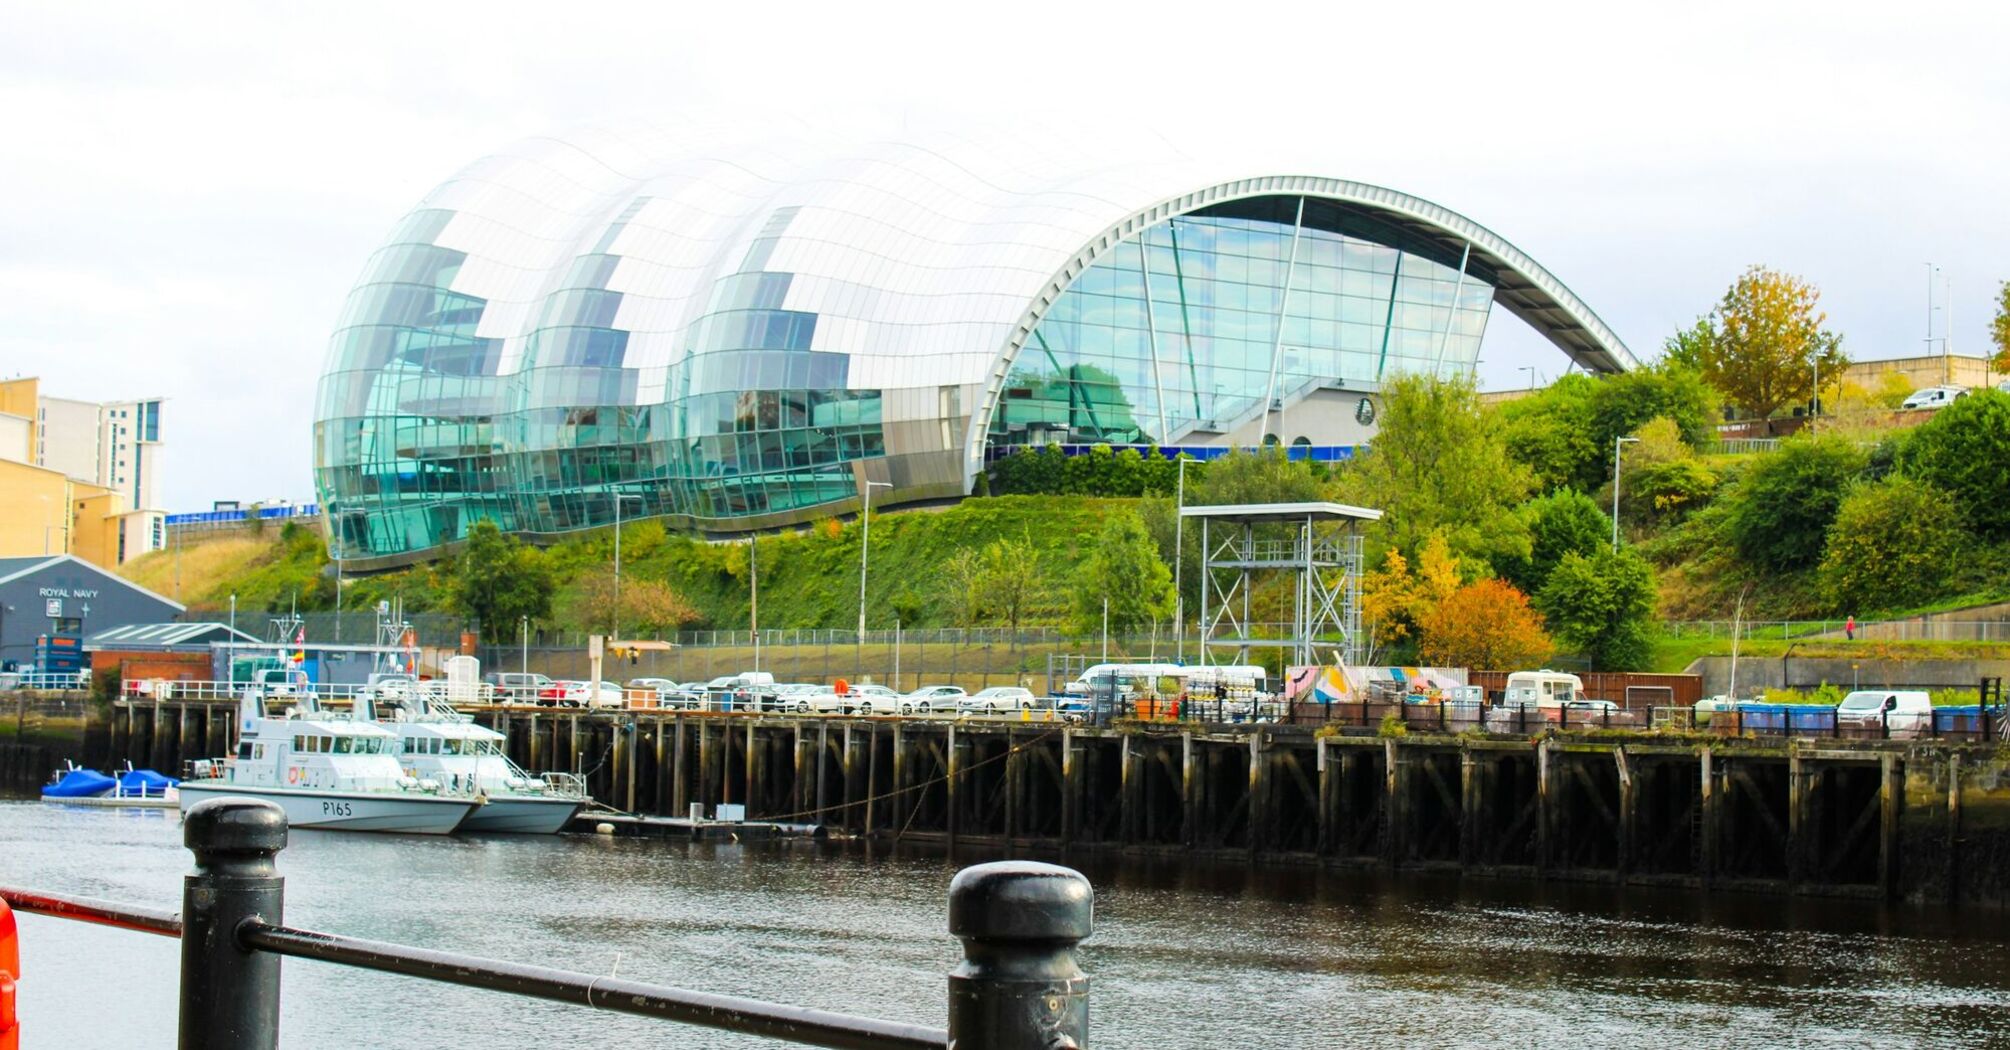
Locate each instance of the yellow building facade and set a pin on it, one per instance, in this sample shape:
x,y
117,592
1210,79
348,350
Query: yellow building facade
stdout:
x,y
44,510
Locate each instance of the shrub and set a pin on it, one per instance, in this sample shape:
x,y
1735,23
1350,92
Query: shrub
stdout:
x,y
1600,605
1563,521
1780,512
1894,543
1965,450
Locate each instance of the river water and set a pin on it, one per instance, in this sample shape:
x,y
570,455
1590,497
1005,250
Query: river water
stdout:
x,y
1183,955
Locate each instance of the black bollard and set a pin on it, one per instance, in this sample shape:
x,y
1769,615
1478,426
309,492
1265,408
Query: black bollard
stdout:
x,y
230,994
1018,987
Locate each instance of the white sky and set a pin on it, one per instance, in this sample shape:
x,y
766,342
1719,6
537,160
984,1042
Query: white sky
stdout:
x,y
188,191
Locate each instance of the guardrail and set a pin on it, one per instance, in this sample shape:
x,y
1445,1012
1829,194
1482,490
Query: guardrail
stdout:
x,y
469,693
1019,986
1918,629
1974,723
41,682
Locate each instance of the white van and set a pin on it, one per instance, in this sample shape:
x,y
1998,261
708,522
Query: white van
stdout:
x,y
1903,713
1545,690
1935,397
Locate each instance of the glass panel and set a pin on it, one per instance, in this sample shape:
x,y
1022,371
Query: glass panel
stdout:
x,y
1215,328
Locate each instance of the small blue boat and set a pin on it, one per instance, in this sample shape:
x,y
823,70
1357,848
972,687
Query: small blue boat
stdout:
x,y
74,782
77,786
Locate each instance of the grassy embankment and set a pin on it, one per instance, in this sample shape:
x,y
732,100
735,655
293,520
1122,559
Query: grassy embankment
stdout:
x,y
808,579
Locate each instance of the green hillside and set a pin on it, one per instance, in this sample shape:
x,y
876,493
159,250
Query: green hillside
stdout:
x,y
807,579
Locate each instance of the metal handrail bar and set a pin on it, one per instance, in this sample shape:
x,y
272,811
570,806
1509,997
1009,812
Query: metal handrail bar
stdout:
x,y
1017,988
732,1013
89,909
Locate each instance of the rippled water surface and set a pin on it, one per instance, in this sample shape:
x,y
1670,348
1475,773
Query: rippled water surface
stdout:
x,y
1184,956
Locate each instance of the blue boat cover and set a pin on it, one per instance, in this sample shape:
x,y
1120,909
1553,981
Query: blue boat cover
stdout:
x,y
80,783
144,782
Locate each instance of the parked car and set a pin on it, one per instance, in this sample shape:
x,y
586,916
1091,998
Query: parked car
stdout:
x,y
856,699
746,691
996,699
516,687
1935,397
576,693
1900,713
932,699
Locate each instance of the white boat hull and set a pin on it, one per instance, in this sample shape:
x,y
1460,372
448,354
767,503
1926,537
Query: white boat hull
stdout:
x,y
523,815
345,810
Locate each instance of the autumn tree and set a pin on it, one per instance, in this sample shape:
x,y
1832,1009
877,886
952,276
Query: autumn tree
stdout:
x,y
1999,328
1396,598
1487,624
646,605
1763,343
1125,579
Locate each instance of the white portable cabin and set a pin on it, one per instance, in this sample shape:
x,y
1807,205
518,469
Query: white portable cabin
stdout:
x,y
1543,689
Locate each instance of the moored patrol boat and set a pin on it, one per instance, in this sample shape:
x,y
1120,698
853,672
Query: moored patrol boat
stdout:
x,y
325,769
439,744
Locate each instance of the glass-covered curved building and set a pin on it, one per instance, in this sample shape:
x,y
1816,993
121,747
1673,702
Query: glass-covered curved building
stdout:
x,y
734,336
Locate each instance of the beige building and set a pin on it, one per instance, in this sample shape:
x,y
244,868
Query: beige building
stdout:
x,y
1932,370
78,476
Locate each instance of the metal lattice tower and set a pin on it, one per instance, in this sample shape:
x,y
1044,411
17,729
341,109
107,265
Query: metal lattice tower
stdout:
x,y
1318,545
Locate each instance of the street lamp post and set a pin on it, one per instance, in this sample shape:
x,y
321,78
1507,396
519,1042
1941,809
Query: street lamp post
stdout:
x,y
619,499
526,646
865,551
1530,369
1616,445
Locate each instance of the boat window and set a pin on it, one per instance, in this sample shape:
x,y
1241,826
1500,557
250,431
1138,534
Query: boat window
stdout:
x,y
244,750
341,745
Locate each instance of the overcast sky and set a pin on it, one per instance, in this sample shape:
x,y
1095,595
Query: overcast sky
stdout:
x,y
187,191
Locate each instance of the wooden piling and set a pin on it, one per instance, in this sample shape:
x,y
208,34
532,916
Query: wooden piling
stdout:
x,y
1711,802
680,792
1628,810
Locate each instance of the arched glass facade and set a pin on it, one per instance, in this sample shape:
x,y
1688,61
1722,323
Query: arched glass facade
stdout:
x,y
1174,335
735,336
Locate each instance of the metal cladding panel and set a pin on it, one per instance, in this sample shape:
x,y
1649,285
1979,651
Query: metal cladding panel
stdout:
x,y
742,315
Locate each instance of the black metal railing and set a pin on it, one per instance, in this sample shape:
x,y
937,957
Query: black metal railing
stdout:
x,y
1018,987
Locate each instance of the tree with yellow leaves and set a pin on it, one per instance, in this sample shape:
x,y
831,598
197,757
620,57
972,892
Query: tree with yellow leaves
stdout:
x,y
1395,599
1763,343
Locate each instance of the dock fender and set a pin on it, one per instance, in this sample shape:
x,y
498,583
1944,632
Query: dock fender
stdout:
x,y
10,968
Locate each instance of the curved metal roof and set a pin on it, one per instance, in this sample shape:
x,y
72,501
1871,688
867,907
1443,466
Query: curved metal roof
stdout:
x,y
924,261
